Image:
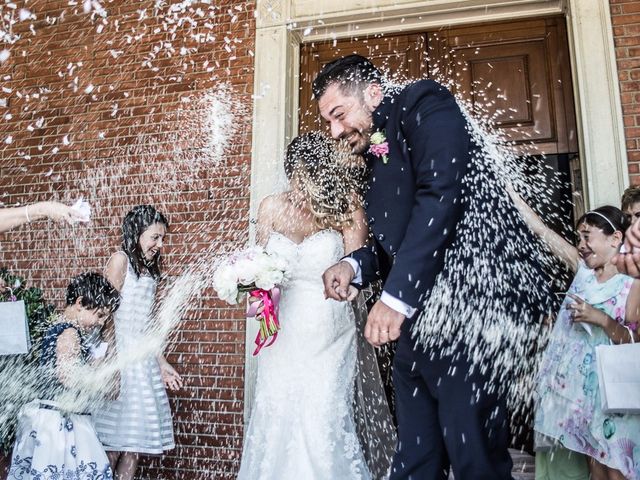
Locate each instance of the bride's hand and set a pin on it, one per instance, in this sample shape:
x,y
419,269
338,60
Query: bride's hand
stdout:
x,y
337,281
258,300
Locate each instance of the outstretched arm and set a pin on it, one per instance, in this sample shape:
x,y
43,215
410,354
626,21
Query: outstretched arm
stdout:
x,y
558,245
14,217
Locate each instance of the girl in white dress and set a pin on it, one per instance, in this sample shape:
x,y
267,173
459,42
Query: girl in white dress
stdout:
x,y
302,422
139,421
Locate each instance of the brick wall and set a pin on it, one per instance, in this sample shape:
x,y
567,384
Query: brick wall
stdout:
x,y
625,16
128,108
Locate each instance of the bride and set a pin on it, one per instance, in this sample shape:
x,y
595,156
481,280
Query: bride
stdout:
x,y
303,423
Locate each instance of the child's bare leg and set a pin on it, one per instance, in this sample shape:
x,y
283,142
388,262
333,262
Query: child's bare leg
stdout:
x,y
113,460
127,466
597,470
614,474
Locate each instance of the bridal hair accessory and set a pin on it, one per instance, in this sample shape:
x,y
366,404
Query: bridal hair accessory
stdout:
x,y
258,273
379,146
593,212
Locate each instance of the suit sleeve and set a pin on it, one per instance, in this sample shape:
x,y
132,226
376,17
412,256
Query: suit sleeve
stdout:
x,y
438,146
368,261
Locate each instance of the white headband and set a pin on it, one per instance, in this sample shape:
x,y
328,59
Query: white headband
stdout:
x,y
593,212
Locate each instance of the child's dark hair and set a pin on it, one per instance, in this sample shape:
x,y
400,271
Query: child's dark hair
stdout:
x,y
607,218
630,196
135,223
353,73
94,290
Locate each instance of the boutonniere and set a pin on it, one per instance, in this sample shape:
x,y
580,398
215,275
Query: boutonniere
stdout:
x,y
379,146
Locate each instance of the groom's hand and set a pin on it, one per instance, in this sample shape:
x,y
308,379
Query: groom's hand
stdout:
x,y
629,262
383,324
337,280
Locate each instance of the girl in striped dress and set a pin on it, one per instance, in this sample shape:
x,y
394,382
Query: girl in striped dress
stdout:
x,y
139,421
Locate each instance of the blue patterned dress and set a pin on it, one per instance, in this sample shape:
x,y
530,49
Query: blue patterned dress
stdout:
x,y
568,407
53,444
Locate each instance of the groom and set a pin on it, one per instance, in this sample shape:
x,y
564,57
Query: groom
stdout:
x,y
418,149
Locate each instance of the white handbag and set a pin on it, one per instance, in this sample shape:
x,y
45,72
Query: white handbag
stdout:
x,y
14,328
619,377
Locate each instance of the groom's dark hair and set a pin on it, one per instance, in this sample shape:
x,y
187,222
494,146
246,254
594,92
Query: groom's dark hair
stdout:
x,y
353,73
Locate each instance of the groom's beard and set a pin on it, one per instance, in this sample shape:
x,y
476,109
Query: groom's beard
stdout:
x,y
359,141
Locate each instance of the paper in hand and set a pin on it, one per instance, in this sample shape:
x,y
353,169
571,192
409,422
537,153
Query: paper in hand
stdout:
x,y
99,351
587,327
84,210
584,325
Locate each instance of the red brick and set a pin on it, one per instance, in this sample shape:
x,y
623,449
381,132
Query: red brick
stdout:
x,y
625,19
208,207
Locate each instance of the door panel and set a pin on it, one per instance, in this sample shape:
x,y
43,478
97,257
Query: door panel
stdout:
x,y
517,73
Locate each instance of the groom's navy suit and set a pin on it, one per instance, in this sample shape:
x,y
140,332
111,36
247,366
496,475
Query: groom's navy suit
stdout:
x,y
413,205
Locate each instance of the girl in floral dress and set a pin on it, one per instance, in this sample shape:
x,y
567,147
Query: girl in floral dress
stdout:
x,y
601,306
53,442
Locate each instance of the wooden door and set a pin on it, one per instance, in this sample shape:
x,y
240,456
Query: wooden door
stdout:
x,y
518,73
401,57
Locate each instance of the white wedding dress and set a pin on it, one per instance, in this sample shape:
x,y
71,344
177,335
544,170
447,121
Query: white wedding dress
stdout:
x,y
302,422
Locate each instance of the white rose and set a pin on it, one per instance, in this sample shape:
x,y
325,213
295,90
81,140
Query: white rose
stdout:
x,y
246,270
229,295
279,263
267,279
225,283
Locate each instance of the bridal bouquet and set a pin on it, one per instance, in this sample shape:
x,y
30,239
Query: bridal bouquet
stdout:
x,y
257,273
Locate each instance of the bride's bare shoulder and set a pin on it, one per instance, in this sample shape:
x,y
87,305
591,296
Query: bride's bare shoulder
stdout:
x,y
272,202
270,206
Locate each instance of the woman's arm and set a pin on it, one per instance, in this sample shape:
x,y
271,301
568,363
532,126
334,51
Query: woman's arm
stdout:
x,y
355,235
266,214
558,245
14,217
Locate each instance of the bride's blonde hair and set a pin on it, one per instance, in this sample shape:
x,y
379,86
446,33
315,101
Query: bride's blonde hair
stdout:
x,y
328,176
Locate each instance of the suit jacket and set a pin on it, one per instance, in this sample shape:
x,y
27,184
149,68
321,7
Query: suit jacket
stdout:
x,y
414,200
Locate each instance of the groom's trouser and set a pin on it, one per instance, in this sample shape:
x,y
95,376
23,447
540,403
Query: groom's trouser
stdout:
x,y
446,419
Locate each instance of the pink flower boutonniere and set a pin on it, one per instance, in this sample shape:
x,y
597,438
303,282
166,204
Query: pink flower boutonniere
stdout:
x,y
379,146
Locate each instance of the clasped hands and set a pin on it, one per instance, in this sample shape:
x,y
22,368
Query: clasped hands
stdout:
x,y
383,323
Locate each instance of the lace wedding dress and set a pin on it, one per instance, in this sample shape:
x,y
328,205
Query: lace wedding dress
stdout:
x,y
302,422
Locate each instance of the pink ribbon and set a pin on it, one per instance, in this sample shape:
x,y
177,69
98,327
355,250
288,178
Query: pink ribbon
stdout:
x,y
269,323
